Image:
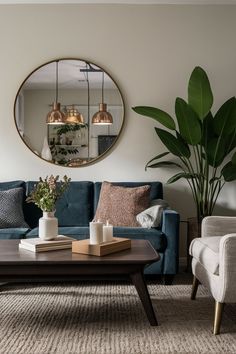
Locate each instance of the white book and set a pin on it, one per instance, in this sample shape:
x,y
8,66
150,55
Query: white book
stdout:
x,y
38,243
32,248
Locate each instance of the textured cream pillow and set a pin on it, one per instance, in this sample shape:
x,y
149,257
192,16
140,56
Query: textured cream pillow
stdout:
x,y
120,205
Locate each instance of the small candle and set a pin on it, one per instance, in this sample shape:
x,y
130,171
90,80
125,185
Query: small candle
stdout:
x,y
107,232
96,232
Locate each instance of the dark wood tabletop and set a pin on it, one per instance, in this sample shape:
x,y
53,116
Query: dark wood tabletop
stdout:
x,y
141,252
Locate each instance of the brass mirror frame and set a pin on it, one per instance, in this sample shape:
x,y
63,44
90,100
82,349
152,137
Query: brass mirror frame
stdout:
x,y
101,156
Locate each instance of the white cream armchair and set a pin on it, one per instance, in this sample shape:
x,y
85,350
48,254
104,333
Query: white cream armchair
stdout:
x,y
214,262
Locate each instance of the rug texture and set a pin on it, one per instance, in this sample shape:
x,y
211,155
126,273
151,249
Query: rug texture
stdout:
x,y
108,318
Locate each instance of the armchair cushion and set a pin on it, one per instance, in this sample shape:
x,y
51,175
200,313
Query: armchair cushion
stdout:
x,y
206,251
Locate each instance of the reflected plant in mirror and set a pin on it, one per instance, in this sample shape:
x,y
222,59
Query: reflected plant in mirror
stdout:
x,y
69,112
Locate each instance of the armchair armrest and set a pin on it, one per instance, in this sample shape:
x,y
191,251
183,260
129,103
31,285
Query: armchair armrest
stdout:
x,y
227,268
218,225
170,227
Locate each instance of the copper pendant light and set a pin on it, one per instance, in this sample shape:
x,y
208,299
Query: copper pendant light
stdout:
x,y
56,116
102,117
73,116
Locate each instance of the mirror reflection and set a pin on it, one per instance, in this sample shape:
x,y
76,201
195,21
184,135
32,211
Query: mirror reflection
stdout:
x,y
69,112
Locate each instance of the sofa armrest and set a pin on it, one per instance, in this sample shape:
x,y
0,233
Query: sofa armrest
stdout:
x,y
218,225
227,268
170,227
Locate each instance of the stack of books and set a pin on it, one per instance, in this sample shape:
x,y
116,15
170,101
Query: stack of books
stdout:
x,y
38,245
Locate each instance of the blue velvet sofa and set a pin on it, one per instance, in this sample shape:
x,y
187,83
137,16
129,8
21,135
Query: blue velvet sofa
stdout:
x,y
76,209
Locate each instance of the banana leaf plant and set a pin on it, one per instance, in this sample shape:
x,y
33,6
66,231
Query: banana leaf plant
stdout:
x,y
200,142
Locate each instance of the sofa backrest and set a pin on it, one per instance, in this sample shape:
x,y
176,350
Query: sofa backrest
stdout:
x,y
78,204
4,186
156,191
74,208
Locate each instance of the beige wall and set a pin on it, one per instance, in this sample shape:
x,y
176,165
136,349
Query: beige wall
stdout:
x,y
149,50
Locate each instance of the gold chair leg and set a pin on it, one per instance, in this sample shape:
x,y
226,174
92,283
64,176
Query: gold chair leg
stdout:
x,y
194,288
219,306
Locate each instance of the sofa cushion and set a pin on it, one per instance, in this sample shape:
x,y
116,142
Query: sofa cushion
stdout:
x,y
78,232
156,237
4,186
13,233
120,205
206,251
156,191
11,212
74,208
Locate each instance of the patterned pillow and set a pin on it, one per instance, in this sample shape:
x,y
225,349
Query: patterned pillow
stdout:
x,y
120,205
11,213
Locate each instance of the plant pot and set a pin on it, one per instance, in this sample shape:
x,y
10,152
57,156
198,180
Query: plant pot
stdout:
x,y
193,231
48,226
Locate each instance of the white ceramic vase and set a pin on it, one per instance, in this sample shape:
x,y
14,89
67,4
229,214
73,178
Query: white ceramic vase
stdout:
x,y
48,226
46,152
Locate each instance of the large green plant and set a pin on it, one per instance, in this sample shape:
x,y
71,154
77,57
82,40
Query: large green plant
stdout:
x,y
201,142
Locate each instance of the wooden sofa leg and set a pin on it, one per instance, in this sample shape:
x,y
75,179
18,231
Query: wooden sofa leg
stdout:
x,y
168,279
219,306
194,288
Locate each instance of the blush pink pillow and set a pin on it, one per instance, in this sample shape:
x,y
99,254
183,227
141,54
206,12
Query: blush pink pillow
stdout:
x,y
120,205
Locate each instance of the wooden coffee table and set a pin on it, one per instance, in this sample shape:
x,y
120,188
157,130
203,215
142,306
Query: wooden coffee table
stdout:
x,y
21,265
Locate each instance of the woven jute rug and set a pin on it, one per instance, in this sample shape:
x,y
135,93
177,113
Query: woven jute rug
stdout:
x,y
107,318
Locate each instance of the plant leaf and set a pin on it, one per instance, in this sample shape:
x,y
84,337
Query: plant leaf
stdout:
x,y
231,142
225,119
234,159
212,180
224,125
229,172
200,96
207,130
215,152
180,175
157,158
157,114
164,164
189,124
175,146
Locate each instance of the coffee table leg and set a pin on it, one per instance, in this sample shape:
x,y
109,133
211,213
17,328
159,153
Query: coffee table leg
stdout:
x,y
142,290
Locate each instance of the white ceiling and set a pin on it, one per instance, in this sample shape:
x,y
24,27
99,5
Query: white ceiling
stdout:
x,y
69,77
143,2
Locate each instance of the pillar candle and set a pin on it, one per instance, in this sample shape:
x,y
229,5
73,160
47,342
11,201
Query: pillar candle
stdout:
x,y
96,232
107,232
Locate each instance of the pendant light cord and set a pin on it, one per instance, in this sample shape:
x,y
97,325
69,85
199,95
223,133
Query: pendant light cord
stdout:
x,y
103,87
57,80
88,89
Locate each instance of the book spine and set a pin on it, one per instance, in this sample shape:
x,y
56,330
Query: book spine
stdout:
x,y
44,249
49,244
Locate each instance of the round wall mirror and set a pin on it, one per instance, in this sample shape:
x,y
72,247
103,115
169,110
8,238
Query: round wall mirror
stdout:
x,y
69,112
